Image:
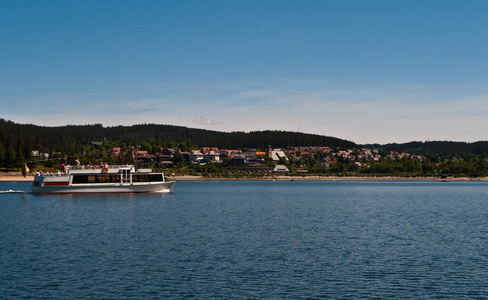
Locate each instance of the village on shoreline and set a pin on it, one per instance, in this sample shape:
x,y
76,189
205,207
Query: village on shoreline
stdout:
x,y
17,176
292,163
262,155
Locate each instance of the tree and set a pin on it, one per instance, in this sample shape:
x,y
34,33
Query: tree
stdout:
x,y
146,146
2,154
38,143
353,168
179,160
127,157
20,158
10,157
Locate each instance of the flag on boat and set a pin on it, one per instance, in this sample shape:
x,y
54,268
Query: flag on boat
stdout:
x,y
25,170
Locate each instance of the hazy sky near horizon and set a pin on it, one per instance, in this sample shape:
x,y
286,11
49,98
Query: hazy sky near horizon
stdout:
x,y
365,71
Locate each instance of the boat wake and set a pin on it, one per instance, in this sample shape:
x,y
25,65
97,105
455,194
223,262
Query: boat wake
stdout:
x,y
163,191
13,192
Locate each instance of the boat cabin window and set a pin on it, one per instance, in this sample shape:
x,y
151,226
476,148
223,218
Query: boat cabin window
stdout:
x,y
102,178
106,178
146,177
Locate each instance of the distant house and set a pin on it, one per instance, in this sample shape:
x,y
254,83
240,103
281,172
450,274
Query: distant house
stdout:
x,y
196,157
167,154
276,154
115,151
212,156
97,144
37,154
228,153
251,157
280,169
243,157
238,158
144,157
206,150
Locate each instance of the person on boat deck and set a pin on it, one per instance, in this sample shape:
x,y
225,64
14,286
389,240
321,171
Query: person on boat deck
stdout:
x,y
37,173
77,163
59,173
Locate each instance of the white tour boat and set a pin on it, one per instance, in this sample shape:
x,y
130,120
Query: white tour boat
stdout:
x,y
109,179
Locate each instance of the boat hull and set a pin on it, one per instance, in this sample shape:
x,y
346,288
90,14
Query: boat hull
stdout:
x,y
153,187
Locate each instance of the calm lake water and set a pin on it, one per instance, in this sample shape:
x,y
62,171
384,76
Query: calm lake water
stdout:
x,y
251,240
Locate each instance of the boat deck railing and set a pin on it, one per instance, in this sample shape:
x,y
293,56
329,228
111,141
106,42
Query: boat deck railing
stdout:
x,y
95,168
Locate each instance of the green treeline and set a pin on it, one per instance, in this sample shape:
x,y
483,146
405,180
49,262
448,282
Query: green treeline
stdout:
x,y
443,149
471,167
63,138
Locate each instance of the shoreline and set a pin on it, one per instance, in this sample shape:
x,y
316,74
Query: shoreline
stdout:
x,y
325,178
16,176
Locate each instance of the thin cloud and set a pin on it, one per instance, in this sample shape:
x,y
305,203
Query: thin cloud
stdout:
x,y
204,121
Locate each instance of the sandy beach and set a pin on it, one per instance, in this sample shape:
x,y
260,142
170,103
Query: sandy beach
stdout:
x,y
17,176
11,176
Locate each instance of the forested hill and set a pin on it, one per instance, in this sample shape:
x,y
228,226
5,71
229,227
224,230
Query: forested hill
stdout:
x,y
63,138
442,148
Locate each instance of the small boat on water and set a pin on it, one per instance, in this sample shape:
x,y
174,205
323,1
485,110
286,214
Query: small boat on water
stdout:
x,y
108,179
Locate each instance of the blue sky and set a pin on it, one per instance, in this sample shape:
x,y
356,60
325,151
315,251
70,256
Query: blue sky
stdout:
x,y
366,71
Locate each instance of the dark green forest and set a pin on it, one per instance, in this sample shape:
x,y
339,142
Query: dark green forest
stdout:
x,y
64,137
443,149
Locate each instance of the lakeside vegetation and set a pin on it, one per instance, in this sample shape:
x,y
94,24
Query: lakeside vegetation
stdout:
x,y
169,148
